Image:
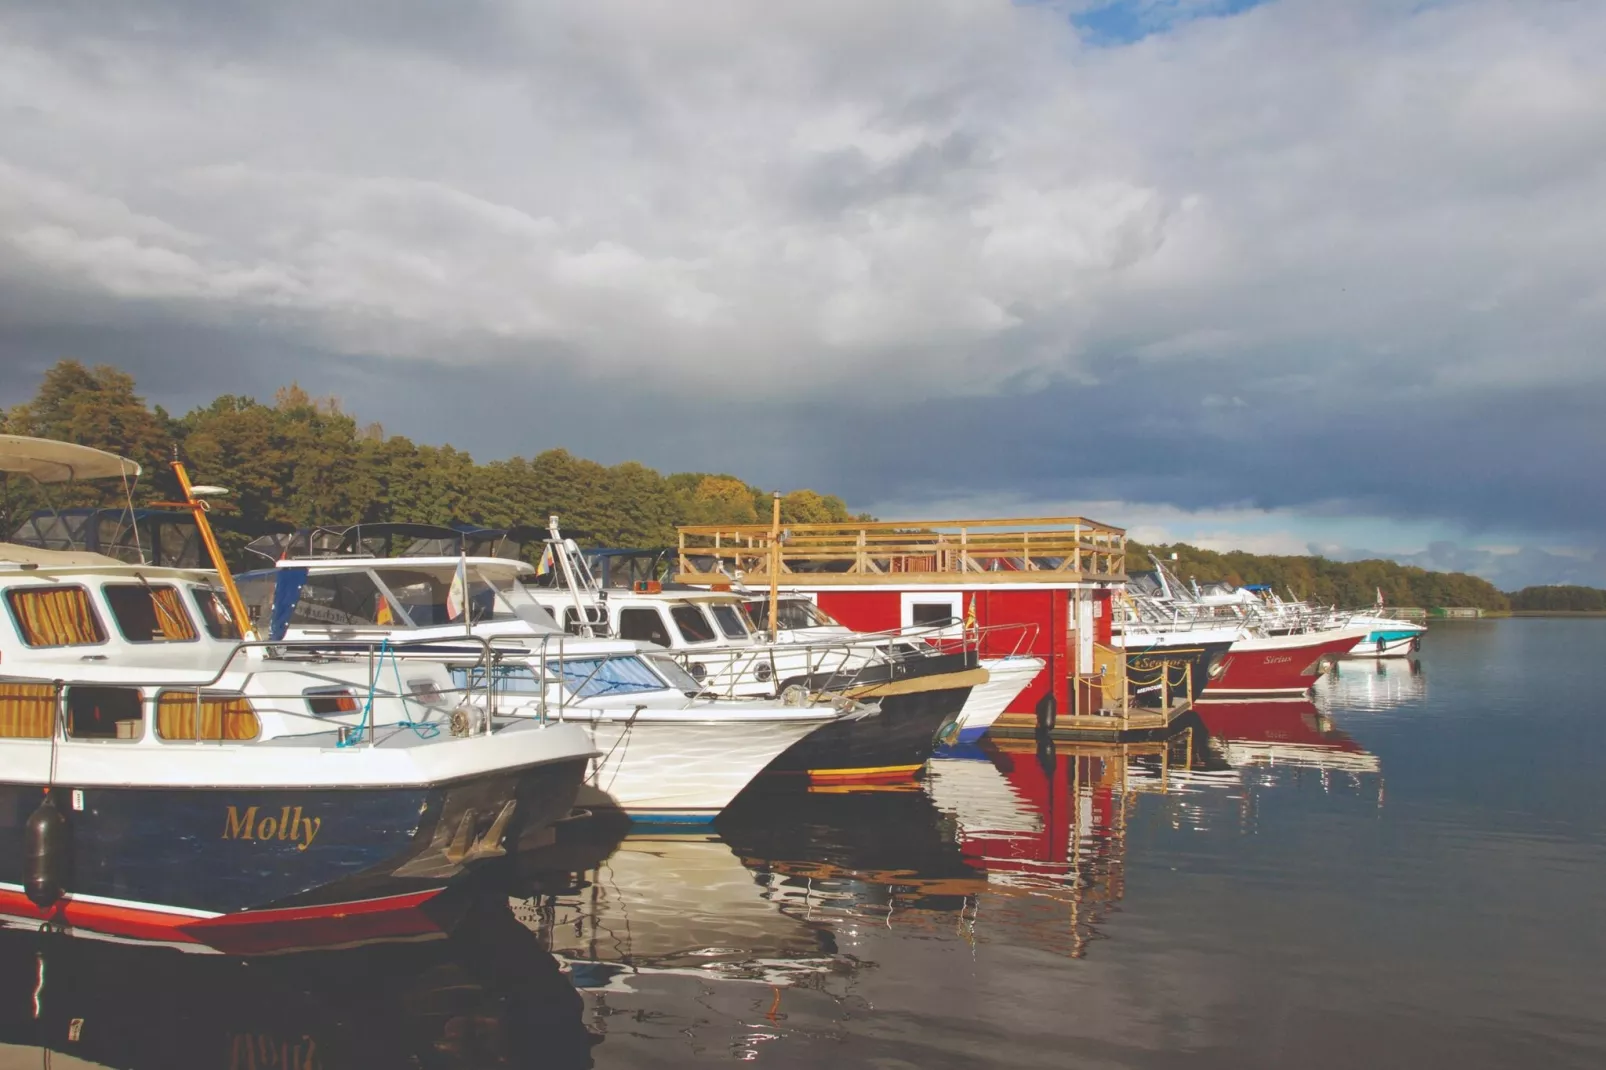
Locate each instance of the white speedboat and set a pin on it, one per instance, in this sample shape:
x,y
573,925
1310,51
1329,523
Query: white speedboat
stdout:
x,y
668,752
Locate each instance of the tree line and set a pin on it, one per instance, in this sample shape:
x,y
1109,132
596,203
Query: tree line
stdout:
x,y
1560,599
307,462
1350,584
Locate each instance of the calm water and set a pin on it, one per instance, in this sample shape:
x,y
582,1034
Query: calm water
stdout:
x,y
1401,873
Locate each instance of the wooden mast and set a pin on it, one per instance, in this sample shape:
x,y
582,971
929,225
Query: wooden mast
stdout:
x,y
198,509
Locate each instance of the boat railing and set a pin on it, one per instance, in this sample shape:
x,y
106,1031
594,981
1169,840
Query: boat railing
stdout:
x,y
474,705
826,666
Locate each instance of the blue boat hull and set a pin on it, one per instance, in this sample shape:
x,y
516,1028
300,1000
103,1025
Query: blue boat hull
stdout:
x,y
248,870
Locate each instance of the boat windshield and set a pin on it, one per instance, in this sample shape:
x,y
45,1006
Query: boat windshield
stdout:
x,y
674,673
693,626
594,677
791,614
428,594
731,620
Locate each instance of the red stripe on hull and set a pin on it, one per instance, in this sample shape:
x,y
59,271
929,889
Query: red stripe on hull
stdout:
x,y
255,932
1274,670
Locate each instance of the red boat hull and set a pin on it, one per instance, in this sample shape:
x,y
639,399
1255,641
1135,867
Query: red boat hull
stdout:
x,y
1284,666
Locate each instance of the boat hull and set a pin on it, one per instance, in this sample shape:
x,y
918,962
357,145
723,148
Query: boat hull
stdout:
x,y
683,773
1175,670
263,870
1006,678
1282,666
891,743
1388,643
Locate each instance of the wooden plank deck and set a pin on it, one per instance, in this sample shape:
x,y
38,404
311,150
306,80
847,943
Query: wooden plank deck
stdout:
x,y
1135,726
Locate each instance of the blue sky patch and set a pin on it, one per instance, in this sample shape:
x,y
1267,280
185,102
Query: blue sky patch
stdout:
x,y
1124,22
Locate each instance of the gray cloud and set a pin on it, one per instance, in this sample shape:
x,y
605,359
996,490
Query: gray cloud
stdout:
x,y
1309,256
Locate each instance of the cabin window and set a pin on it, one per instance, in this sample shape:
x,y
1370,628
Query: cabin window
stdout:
x,y
222,717
591,677
105,713
55,616
329,701
149,614
27,711
694,627
215,614
643,625
730,620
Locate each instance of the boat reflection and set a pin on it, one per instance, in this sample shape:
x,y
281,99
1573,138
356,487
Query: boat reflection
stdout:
x,y
1048,827
1371,686
1283,734
488,996
888,858
673,903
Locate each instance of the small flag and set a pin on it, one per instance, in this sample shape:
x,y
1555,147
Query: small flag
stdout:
x,y
545,564
457,594
382,615
970,614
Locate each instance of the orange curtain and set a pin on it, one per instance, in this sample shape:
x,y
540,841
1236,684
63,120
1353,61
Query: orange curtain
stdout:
x,y
27,711
172,623
222,716
56,616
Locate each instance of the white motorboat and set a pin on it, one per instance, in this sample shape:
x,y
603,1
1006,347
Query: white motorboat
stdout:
x,y
669,752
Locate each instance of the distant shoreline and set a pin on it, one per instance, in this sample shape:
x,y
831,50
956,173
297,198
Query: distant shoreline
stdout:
x,y
1556,613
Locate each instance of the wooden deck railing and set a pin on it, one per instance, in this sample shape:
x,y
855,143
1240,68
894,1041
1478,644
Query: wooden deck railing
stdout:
x,y
1028,550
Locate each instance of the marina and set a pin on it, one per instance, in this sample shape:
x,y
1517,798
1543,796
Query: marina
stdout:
x,y
784,763
860,925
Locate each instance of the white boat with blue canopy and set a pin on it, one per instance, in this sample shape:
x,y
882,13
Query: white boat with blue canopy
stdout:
x,y
669,752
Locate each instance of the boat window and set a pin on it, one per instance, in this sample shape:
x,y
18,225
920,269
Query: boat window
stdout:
x,y
330,701
432,595
674,673
731,622
591,677
791,614
149,613
55,616
509,680
693,625
215,613
643,625
222,717
27,711
105,712
338,599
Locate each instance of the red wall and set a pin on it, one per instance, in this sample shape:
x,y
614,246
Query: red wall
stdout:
x,y
874,611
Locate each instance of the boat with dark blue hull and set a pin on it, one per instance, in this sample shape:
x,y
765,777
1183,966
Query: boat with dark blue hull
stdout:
x,y
163,779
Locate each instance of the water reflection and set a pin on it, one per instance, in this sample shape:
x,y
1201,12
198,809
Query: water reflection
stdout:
x,y
674,903
1371,686
490,996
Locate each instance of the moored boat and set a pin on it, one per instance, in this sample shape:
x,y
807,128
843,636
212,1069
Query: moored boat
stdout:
x,y
163,781
668,752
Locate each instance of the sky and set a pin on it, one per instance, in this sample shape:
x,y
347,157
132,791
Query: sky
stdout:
x,y
1292,276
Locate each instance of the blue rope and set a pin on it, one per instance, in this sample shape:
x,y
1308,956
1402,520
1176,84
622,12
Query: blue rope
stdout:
x,y
423,729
